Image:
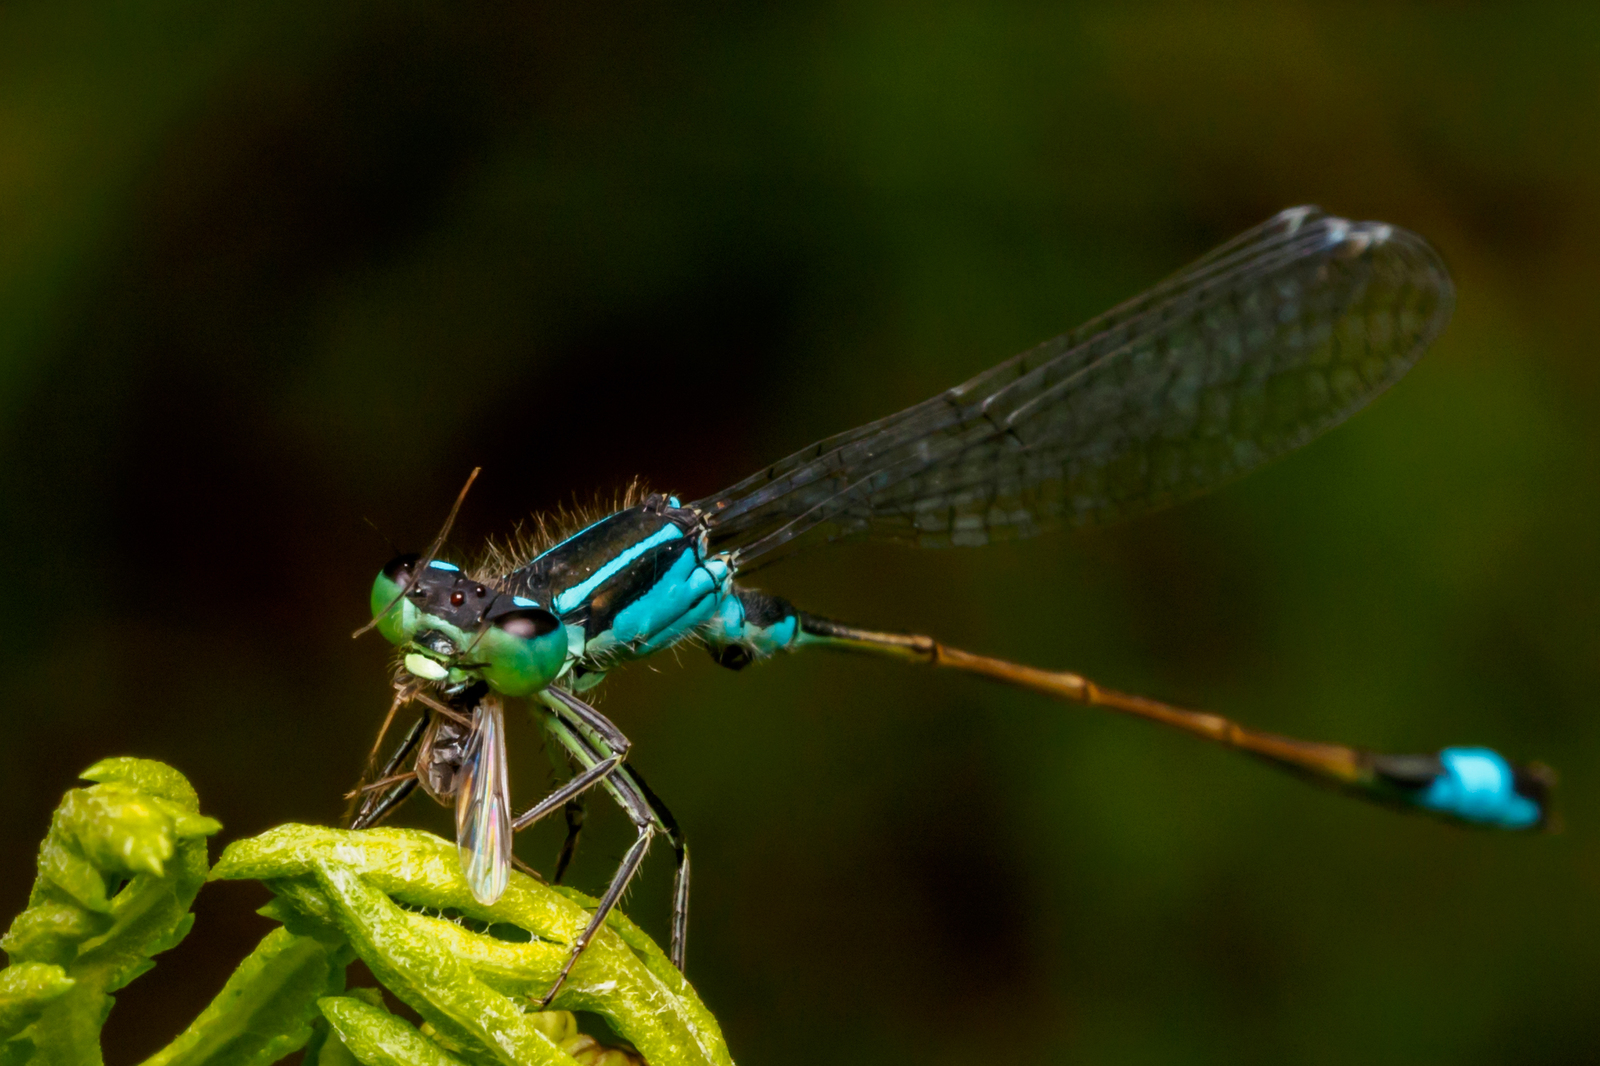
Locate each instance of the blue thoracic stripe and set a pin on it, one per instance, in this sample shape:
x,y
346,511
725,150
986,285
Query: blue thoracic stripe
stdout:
x,y
679,589
682,600
570,598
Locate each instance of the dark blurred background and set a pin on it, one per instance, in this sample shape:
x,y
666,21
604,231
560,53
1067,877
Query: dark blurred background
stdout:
x,y
268,270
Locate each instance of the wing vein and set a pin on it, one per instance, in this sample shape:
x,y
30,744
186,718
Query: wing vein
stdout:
x,y
1249,352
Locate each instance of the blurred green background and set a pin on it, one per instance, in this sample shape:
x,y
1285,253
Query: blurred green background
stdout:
x,y
271,269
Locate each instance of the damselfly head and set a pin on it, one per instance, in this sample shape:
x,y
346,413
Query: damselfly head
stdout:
x,y
455,630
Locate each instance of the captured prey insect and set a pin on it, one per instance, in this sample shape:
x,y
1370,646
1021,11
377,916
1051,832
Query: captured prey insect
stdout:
x,y
1249,352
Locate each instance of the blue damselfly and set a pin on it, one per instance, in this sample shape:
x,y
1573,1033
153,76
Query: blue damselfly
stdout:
x,y
1244,355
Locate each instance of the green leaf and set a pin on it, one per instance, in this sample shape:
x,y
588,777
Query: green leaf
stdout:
x,y
25,990
404,873
174,938
52,927
302,917
433,982
377,1038
264,1011
148,776
122,863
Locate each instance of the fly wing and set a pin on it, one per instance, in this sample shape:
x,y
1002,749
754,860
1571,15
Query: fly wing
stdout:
x,y
483,805
1251,351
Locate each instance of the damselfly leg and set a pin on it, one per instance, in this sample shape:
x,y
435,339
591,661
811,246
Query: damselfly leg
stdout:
x,y
649,816
382,790
387,804
569,793
459,759
574,812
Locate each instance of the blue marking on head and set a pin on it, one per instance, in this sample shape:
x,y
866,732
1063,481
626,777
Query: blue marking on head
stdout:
x,y
576,595
523,601
672,501
1478,785
440,564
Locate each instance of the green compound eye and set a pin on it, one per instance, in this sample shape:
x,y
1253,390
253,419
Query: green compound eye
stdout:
x,y
523,651
396,616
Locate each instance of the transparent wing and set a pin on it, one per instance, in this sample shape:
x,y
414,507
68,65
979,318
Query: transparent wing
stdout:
x,y
483,805
1249,352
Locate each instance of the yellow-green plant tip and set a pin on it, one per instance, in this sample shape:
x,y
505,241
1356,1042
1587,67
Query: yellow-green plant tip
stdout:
x,y
51,929
148,776
196,825
590,1052
121,830
373,996
303,911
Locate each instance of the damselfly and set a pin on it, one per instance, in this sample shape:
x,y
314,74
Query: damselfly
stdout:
x,y
1248,353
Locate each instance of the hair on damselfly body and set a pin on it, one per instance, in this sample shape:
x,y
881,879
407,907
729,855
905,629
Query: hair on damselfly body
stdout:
x,y
1249,352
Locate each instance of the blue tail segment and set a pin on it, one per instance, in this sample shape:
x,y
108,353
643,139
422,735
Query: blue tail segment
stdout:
x,y
1473,785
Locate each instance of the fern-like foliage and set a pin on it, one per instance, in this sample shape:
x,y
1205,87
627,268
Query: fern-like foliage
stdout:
x,y
125,858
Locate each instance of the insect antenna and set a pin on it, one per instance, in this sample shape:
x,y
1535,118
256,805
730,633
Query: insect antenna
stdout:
x,y
381,534
433,549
